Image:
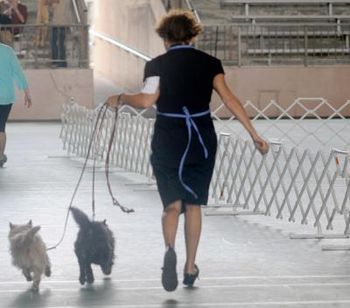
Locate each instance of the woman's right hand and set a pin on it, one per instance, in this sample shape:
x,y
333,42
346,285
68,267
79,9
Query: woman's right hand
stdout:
x,y
112,101
27,99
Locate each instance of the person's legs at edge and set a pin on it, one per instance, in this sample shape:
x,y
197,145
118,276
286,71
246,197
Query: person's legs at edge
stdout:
x,y
170,221
2,144
4,113
54,46
193,227
62,47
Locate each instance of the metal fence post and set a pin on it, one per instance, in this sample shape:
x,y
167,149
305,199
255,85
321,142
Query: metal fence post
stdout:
x,y
239,47
305,46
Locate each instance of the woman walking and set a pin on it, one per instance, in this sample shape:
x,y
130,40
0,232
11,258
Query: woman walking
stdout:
x,y
10,73
180,82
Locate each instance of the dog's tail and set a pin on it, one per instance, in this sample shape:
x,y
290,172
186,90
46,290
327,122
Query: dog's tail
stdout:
x,y
80,217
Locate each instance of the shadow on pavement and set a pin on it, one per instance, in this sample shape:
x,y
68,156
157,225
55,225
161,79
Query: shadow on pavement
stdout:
x,y
29,298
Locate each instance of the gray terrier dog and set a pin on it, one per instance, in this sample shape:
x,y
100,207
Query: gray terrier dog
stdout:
x,y
29,252
94,244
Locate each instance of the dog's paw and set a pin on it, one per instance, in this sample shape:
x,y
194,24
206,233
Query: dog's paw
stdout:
x,y
35,287
106,271
90,279
27,275
47,271
82,280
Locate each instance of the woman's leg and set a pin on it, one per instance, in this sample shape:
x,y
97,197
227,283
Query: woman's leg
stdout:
x,y
170,221
193,227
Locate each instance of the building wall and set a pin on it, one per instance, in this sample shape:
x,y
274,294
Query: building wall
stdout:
x,y
131,22
284,84
50,89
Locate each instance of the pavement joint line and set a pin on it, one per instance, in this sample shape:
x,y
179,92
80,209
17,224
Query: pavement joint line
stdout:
x,y
278,277
59,156
175,303
202,278
232,286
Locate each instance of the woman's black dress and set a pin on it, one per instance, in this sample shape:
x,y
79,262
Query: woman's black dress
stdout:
x,y
186,80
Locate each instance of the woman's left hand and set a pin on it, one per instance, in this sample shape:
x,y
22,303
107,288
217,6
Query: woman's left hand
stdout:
x,y
261,145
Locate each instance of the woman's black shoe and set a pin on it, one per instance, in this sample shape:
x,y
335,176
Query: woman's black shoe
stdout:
x,y
190,278
3,160
169,275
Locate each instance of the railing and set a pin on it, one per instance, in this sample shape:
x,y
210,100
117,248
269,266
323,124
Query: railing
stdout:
x,y
34,49
194,11
81,11
283,43
329,4
288,183
120,45
174,4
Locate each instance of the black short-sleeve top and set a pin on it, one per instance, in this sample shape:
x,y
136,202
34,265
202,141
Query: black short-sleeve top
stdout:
x,y
186,78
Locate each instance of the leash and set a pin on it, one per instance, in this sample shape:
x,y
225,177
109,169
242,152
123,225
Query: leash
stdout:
x,y
110,144
96,137
99,118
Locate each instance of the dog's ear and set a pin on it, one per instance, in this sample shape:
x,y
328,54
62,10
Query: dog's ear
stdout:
x,y
30,223
105,222
11,226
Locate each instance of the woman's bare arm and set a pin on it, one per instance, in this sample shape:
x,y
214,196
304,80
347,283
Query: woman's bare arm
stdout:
x,y
237,109
138,100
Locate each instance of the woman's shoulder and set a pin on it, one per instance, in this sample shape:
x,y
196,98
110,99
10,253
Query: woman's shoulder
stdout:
x,y
153,62
197,55
7,54
159,57
206,56
6,48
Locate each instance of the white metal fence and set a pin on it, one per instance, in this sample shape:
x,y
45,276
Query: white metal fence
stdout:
x,y
311,123
300,185
131,149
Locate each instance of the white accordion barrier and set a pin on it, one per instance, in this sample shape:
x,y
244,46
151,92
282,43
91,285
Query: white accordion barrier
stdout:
x,y
298,185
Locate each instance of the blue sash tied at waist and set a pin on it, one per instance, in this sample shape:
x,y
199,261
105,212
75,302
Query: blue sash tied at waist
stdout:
x,y
189,123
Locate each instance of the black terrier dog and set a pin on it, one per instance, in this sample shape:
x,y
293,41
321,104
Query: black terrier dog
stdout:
x,y
94,244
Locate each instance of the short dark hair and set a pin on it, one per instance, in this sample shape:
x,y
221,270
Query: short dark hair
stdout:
x,y
178,26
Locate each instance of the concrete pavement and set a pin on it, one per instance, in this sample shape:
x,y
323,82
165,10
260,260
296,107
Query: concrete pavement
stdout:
x,y
245,261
